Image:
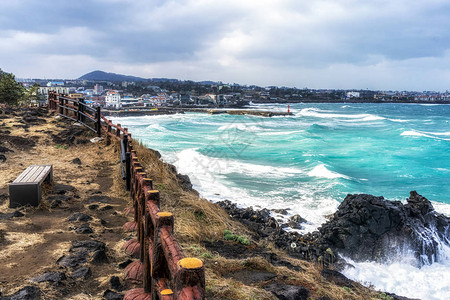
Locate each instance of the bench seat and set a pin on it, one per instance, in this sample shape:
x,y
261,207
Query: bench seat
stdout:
x,y
26,189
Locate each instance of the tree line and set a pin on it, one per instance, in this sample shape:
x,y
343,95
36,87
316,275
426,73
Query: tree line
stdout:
x,y
13,92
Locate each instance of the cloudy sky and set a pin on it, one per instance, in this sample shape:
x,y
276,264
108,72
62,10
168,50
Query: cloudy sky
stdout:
x,y
374,44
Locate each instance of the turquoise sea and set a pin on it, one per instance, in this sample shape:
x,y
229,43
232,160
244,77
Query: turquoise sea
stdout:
x,y
308,162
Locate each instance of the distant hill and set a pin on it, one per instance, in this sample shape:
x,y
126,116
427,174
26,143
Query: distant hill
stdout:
x,y
104,76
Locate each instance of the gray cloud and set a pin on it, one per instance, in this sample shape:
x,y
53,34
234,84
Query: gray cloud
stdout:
x,y
286,42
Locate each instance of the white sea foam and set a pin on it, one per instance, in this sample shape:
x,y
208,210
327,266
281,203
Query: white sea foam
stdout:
x,y
433,135
240,126
438,133
157,127
322,171
317,113
191,159
442,208
280,132
398,120
429,282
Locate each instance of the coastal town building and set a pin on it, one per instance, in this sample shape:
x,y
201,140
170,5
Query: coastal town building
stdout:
x,y
130,101
159,100
98,89
43,90
55,83
352,95
113,99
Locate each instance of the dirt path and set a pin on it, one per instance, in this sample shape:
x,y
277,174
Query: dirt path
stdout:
x,y
85,181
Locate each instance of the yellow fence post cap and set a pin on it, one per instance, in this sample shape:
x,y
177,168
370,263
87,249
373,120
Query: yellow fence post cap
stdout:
x,y
164,214
190,263
166,292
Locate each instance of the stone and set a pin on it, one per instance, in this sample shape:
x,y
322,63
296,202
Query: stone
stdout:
x,y
4,149
124,264
57,200
54,277
106,207
82,273
15,214
2,158
288,292
184,181
62,189
115,284
297,219
366,227
83,229
79,217
100,199
111,295
76,161
281,211
93,206
99,257
26,293
73,260
87,245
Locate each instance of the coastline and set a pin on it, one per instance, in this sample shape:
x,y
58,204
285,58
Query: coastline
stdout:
x,y
199,227
161,130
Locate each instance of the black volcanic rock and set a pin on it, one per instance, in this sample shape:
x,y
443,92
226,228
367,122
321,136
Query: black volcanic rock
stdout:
x,y
26,293
55,277
366,227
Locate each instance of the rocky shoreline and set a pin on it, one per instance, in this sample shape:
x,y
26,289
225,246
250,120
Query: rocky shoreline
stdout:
x,y
364,227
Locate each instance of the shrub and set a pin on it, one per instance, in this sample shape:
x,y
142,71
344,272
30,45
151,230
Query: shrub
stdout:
x,y
228,236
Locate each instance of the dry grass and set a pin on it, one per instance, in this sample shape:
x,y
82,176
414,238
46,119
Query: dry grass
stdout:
x,y
196,218
19,242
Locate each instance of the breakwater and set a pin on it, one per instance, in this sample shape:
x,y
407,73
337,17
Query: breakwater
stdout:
x,y
169,110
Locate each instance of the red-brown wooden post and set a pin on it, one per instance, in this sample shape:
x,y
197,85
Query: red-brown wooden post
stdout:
x,y
159,267
108,133
118,130
189,282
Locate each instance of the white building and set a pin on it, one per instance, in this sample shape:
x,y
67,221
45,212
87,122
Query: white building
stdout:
x,y
129,101
352,94
159,100
43,90
113,99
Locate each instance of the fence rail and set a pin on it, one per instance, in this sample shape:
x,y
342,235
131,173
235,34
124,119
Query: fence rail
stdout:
x,y
164,271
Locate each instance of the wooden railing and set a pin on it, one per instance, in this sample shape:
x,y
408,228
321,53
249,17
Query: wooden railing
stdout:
x,y
162,268
76,110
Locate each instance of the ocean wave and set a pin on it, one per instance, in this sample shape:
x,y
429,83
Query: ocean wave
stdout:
x,y
398,120
156,126
280,132
192,160
322,171
433,135
317,113
239,126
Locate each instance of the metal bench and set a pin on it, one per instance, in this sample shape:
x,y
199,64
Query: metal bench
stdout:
x,y
26,189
